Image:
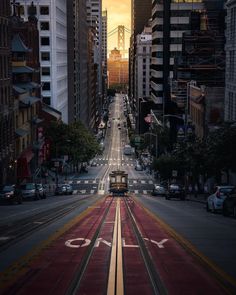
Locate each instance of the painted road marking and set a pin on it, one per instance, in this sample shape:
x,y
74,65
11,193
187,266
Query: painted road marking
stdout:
x,y
94,181
75,192
86,181
101,192
83,242
150,182
136,191
4,238
143,181
135,181
83,191
145,192
92,191
78,181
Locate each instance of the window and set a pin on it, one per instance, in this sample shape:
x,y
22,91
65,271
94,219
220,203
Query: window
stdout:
x,y
45,56
44,10
45,41
45,71
44,26
46,86
144,49
47,100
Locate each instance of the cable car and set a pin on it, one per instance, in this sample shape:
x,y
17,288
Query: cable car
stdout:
x,y
118,183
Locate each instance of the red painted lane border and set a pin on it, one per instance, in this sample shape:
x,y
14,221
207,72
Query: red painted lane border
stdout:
x,y
136,279
96,275
51,271
179,264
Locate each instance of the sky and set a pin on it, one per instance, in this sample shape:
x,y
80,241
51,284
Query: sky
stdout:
x,y
118,13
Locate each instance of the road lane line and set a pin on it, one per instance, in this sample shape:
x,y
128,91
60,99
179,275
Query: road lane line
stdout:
x,y
120,277
112,269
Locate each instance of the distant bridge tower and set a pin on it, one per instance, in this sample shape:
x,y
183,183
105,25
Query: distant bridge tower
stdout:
x,y
121,38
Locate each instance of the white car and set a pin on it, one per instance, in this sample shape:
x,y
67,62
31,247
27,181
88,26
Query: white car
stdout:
x,y
138,167
215,201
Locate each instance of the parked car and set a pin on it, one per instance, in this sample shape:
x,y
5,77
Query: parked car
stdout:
x,y
229,205
215,201
138,167
64,189
10,194
41,190
93,164
159,190
176,191
30,191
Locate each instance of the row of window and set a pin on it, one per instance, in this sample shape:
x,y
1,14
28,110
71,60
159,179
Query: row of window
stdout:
x,y
231,106
4,66
3,33
43,10
5,95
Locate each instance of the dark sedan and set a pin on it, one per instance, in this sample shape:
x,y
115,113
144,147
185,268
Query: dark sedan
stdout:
x,y
10,194
64,189
229,205
176,191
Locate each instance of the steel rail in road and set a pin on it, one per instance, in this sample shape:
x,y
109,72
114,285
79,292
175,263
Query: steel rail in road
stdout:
x,y
116,280
21,229
155,280
75,284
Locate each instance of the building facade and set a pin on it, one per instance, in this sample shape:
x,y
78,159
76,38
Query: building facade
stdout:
x,y
104,51
52,25
230,75
77,61
7,105
117,71
140,15
170,19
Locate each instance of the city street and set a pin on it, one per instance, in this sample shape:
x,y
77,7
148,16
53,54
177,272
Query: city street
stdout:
x,y
31,227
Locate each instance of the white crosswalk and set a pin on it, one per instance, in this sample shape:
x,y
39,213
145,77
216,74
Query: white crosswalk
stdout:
x,y
102,192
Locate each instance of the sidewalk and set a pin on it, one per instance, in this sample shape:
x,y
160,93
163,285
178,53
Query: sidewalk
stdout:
x,y
200,198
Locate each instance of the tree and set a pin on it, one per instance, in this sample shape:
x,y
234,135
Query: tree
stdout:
x,y
73,140
165,164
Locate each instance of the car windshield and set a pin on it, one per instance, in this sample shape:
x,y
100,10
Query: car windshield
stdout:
x,y
227,190
27,186
6,188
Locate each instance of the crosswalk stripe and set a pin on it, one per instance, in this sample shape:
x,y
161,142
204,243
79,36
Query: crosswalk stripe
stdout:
x,y
135,181
78,181
150,182
144,192
92,191
86,181
83,191
71,181
143,181
75,192
94,181
136,191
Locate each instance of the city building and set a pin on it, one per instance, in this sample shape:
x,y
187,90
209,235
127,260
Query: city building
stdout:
x,y
141,12
94,18
52,25
230,75
7,104
26,92
92,82
104,52
118,75
77,32
142,69
170,19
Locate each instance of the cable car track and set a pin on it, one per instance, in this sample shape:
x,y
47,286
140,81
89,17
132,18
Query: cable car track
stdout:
x,y
21,229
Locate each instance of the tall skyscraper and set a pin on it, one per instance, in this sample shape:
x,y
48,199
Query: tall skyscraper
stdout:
x,y
77,31
7,129
170,19
140,15
230,77
52,25
104,50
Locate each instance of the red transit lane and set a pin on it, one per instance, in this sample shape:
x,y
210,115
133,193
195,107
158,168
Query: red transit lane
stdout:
x,y
58,268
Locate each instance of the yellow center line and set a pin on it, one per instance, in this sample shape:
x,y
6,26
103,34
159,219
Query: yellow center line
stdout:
x,y
120,280
115,279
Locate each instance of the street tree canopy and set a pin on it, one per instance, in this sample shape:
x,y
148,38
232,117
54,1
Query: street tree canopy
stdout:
x,y
73,140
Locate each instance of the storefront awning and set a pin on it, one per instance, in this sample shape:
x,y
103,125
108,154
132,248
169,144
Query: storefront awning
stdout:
x,y
29,100
18,89
22,70
29,85
21,132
